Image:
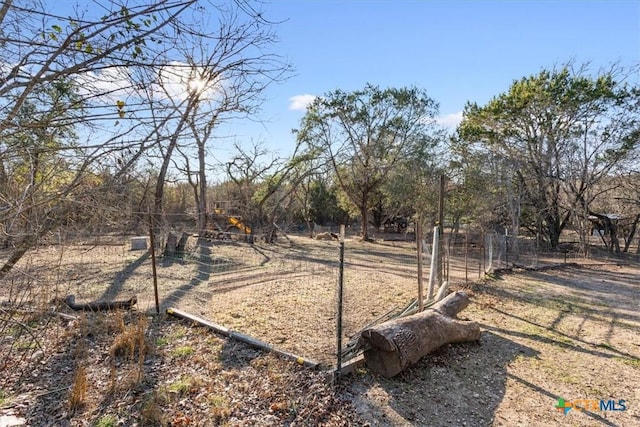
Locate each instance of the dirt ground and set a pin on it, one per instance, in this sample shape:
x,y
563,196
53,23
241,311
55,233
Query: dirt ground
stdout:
x,y
571,332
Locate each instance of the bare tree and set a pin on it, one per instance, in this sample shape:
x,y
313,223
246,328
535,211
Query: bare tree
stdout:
x,y
266,183
223,75
107,72
58,79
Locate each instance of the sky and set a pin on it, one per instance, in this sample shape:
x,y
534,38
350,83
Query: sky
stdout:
x,y
458,51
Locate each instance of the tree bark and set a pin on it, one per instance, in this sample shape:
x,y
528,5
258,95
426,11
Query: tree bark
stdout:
x,y
629,239
202,200
400,343
364,216
70,301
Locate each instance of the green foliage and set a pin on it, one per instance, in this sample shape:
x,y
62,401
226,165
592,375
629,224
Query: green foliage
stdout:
x,y
326,206
413,187
35,154
182,386
365,135
560,132
183,351
106,421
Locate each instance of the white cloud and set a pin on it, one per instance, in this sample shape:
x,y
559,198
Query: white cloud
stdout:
x,y
450,120
112,83
300,102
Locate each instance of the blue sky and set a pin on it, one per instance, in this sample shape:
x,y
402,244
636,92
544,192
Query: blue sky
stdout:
x,y
458,51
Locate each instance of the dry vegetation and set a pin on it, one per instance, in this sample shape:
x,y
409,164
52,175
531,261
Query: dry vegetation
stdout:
x,y
570,332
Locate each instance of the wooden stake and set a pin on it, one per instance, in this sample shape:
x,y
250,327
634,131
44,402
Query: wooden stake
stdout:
x,y
419,249
466,255
433,271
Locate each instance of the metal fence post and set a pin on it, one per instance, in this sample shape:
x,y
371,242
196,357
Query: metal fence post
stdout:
x,y
152,243
340,293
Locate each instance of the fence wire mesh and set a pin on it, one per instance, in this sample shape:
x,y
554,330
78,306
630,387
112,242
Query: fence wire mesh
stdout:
x,y
282,292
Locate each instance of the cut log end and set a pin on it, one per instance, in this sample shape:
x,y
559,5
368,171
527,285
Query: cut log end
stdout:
x,y
400,343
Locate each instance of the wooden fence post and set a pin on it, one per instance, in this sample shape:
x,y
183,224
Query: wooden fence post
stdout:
x,y
419,249
433,272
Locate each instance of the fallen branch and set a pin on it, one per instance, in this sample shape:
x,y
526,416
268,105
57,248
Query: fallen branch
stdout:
x,y
327,236
399,343
99,306
32,312
256,343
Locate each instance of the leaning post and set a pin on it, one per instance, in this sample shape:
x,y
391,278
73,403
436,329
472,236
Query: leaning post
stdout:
x,y
433,271
419,249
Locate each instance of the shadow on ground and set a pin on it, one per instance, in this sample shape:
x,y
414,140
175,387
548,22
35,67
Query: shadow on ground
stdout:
x,y
204,272
236,355
612,289
119,279
457,383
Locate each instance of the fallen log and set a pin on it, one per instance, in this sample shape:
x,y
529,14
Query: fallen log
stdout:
x,y
399,343
253,342
327,236
70,301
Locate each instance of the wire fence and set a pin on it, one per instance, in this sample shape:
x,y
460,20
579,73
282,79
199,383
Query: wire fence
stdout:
x,y
283,292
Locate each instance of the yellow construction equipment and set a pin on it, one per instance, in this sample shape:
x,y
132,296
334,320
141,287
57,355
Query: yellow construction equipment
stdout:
x,y
235,221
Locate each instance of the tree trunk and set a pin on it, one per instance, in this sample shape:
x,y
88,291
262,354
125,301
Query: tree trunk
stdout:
x,y
159,193
16,255
52,218
202,201
400,343
4,180
629,239
364,215
162,175
553,231
610,229
613,235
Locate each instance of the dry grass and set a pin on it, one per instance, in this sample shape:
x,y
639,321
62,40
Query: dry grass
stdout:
x,y
78,394
130,343
131,340
566,332
151,412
